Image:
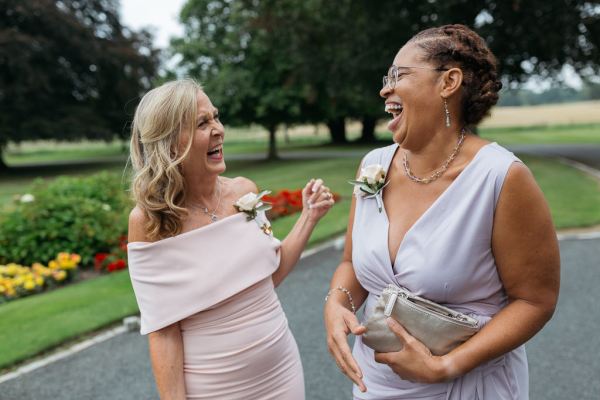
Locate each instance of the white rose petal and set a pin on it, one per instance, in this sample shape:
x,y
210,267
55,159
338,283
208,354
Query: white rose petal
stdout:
x,y
372,173
27,198
247,202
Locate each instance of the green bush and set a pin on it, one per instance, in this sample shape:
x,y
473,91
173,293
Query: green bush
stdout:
x,y
78,215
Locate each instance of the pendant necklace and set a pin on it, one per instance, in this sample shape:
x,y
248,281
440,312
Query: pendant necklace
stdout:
x,y
212,214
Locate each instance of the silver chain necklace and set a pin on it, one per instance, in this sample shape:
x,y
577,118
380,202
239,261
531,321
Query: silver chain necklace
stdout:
x,y
440,171
211,214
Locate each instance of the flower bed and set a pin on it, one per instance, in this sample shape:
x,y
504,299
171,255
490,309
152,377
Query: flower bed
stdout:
x,y
113,261
287,202
19,281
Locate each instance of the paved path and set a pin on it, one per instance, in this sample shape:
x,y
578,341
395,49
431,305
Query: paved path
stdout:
x,y
588,154
563,358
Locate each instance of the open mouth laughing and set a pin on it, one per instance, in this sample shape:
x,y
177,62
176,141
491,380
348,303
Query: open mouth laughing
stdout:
x,y
395,109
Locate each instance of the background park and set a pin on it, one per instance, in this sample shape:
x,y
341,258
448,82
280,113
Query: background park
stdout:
x,y
296,83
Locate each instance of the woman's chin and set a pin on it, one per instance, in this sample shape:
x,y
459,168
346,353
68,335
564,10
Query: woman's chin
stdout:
x,y
399,135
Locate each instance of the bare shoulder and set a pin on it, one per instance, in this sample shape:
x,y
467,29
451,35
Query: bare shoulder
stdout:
x,y
520,182
137,224
522,210
241,185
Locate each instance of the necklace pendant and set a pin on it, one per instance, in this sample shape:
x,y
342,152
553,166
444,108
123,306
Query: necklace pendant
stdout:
x,y
213,217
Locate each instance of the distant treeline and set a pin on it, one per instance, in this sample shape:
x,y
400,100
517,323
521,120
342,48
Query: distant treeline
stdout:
x,y
524,97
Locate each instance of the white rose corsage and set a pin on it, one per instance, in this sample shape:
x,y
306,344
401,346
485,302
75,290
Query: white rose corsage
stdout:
x,y
254,207
371,183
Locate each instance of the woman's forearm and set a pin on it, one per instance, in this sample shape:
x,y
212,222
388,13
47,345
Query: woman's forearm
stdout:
x,y
292,247
345,277
509,329
166,354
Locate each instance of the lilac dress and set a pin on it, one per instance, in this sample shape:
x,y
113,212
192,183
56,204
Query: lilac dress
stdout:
x,y
446,256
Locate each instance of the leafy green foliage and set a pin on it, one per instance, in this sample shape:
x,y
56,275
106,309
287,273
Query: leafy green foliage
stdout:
x,y
69,70
78,215
290,61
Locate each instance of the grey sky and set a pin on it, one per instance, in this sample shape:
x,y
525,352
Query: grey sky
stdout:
x,y
161,15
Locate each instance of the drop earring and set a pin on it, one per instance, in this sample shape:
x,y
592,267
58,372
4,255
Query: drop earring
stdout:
x,y
447,112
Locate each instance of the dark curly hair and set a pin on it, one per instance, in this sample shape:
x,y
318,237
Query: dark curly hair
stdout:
x,y
458,46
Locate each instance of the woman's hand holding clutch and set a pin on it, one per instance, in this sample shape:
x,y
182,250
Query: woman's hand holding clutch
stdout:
x,y
414,362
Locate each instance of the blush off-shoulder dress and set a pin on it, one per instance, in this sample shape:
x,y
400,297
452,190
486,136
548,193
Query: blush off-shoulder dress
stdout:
x,y
216,282
446,257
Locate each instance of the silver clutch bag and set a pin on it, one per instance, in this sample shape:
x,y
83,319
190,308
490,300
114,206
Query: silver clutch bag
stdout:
x,y
437,327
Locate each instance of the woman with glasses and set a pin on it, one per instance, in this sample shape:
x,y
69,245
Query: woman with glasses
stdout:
x,y
461,223
203,261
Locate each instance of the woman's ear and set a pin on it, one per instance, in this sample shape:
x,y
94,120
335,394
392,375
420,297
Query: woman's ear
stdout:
x,y
451,82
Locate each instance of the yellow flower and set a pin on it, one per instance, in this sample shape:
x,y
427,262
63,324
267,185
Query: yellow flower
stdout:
x,y
29,285
53,265
12,269
60,275
39,280
76,258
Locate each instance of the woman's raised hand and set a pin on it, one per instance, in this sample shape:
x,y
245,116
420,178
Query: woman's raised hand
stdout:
x,y
317,199
339,323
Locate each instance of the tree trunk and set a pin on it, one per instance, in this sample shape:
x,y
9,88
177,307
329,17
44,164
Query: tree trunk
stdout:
x,y
272,154
337,130
368,129
3,167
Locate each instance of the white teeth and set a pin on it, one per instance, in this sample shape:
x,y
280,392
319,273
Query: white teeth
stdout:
x,y
390,107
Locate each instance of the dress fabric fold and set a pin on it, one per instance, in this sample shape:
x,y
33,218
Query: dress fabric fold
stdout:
x,y
216,282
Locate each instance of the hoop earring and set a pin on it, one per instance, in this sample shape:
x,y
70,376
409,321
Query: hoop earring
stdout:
x,y
447,113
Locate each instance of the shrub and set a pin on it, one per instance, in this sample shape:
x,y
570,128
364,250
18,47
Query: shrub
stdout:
x,y
82,215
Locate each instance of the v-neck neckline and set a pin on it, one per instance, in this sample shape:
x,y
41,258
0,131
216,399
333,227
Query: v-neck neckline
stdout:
x,y
427,211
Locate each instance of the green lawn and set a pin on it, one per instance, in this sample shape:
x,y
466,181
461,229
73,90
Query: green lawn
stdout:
x,y
34,324
573,196
253,140
31,325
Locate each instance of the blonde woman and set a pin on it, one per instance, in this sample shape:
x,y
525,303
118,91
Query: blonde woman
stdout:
x,y
203,261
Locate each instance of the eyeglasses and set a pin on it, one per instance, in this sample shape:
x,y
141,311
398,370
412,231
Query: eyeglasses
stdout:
x,y
391,79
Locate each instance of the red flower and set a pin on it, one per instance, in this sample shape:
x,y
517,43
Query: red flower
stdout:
x,y
123,242
112,267
99,259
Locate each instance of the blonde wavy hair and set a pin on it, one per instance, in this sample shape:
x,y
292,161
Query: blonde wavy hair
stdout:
x,y
163,115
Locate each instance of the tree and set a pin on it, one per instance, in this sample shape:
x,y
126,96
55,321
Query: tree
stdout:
x,y
322,61
244,54
69,70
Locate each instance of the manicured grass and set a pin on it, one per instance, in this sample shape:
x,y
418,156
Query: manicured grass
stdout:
x,y
573,196
37,323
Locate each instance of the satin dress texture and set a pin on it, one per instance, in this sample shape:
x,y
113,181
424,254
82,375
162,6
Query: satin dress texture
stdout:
x,y
446,257
216,282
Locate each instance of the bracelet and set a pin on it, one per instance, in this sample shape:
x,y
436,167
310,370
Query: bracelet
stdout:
x,y
343,289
